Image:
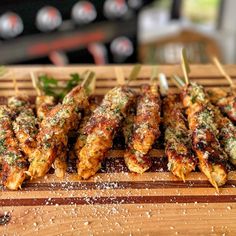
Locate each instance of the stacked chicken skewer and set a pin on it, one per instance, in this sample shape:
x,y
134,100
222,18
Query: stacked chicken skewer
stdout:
x,y
213,135
33,144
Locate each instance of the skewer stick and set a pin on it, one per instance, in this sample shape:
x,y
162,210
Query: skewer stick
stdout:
x,y
84,74
92,85
154,74
119,75
88,77
177,81
164,87
154,77
134,73
35,83
15,86
88,81
223,72
185,65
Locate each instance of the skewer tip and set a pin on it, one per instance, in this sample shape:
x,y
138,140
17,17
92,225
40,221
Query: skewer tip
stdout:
x,y
35,83
185,66
164,87
134,73
223,72
119,75
15,86
177,81
88,78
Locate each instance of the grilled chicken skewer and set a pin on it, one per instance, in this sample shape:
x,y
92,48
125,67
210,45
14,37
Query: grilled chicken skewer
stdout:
x,y
101,128
52,138
81,137
227,135
178,147
44,104
145,129
24,124
78,132
14,164
201,118
226,101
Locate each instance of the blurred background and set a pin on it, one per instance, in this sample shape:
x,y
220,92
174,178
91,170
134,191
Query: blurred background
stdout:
x,y
64,32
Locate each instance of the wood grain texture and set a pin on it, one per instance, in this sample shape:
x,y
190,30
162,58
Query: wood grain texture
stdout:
x,y
116,201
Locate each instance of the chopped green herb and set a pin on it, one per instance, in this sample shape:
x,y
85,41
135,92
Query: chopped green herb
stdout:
x,y
50,87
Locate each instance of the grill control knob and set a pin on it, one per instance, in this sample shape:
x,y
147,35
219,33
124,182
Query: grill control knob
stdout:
x,y
115,8
48,19
11,25
83,12
121,48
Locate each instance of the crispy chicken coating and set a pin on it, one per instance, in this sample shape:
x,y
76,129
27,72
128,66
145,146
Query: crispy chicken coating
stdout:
x,y
44,104
178,148
14,164
24,124
227,134
53,135
225,101
145,130
201,119
101,128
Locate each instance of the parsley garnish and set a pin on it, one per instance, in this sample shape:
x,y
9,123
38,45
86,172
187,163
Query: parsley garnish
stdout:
x,y
50,85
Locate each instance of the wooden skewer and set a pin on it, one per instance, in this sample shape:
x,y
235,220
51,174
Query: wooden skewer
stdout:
x,y
84,74
154,77
223,72
185,65
119,75
92,85
134,73
15,86
177,81
154,74
164,88
87,79
35,84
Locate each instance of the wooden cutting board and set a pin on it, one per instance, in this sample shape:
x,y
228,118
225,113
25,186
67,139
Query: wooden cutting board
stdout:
x,y
116,201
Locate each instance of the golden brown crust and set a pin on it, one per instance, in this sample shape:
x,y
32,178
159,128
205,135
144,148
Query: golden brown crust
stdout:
x,y
225,101
24,123
201,119
227,134
101,128
145,130
17,103
14,163
81,135
181,160
53,134
43,106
